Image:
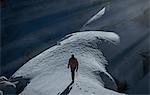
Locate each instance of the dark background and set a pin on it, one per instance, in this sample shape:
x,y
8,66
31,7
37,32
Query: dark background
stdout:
x,y
29,27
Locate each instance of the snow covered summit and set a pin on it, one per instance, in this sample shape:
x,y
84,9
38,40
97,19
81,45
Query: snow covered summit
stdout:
x,y
50,76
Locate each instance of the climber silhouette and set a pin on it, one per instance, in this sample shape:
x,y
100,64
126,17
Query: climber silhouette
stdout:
x,y
73,64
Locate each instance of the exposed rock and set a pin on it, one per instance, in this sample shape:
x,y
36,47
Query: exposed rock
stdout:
x,y
7,87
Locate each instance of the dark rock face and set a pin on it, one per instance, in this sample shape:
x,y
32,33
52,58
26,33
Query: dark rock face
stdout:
x,y
1,93
13,86
21,83
7,88
108,82
3,78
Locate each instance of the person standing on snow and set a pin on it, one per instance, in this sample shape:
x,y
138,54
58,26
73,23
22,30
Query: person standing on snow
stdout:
x,y
73,64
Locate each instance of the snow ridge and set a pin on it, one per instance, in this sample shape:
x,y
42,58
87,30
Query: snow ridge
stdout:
x,y
50,76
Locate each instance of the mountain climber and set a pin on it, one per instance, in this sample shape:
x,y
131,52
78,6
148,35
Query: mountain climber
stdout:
x,y
73,64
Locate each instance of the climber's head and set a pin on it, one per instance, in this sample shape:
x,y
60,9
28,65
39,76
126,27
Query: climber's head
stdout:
x,y
72,56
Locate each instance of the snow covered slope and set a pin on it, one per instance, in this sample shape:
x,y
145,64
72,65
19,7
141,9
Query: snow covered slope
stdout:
x,y
50,76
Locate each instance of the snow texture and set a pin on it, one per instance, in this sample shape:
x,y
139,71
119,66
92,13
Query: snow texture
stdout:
x,y
50,76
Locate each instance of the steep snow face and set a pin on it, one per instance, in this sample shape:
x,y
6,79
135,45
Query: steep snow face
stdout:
x,y
50,76
130,20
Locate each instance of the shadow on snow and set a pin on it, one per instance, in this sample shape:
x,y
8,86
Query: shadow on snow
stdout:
x,y
67,90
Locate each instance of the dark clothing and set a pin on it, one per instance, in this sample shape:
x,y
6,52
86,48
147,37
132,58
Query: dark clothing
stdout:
x,y
73,64
72,74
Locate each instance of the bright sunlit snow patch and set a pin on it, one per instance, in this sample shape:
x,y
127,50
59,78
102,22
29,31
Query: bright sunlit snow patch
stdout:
x,y
50,76
96,16
92,36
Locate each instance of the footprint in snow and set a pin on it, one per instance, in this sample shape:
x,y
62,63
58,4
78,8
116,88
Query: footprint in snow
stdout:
x,y
58,93
85,90
77,85
93,93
